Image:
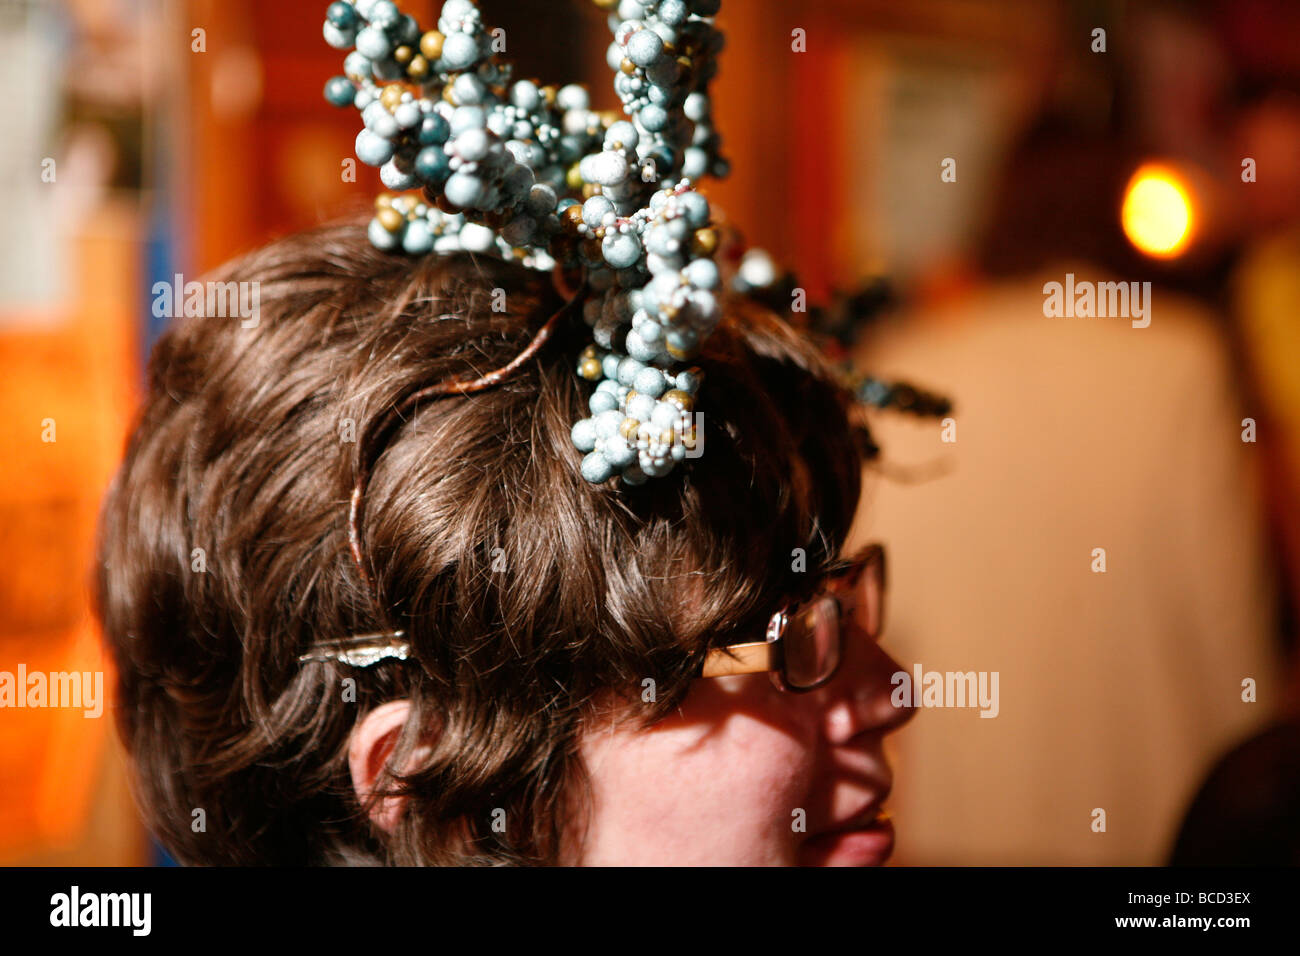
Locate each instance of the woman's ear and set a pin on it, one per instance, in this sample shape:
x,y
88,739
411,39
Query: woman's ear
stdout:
x,y
372,743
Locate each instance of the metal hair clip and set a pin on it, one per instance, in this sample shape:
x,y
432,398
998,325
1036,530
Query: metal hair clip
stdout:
x,y
361,650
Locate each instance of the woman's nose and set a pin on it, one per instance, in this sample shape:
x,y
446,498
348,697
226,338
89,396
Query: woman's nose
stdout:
x,y
862,698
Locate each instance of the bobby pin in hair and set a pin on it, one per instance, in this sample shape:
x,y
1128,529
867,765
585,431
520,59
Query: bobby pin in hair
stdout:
x,y
361,650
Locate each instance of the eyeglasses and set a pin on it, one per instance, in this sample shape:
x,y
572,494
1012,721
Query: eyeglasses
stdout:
x,y
805,643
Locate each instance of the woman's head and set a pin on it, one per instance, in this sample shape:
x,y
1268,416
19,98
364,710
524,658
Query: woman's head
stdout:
x,y
556,628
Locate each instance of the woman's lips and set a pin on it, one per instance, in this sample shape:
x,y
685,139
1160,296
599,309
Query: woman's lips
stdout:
x,y
867,845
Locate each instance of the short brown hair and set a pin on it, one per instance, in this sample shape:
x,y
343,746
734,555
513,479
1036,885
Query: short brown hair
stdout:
x,y
526,593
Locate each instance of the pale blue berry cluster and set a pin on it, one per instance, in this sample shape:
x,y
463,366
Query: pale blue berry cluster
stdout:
x,y
533,174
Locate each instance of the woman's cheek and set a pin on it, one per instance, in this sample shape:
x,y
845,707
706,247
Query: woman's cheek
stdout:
x,y
771,773
753,762
729,790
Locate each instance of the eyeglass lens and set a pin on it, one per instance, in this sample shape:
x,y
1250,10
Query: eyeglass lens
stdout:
x,y
812,635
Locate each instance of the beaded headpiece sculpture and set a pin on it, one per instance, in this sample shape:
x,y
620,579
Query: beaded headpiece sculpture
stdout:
x,y
532,174
491,165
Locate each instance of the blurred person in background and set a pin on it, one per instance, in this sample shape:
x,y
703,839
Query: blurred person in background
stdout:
x,y
1096,533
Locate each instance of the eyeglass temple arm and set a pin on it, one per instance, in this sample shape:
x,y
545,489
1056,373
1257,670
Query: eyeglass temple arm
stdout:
x,y
740,659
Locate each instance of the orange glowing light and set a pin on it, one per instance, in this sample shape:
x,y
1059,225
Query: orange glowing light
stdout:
x,y
1157,213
